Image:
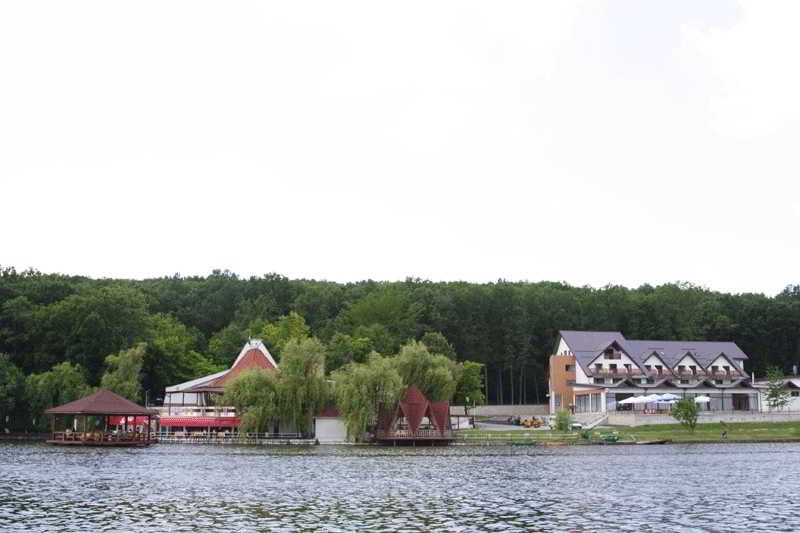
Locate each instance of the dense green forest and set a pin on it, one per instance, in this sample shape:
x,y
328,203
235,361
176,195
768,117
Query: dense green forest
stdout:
x,y
57,329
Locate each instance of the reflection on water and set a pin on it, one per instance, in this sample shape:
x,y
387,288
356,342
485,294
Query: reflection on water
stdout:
x,y
730,487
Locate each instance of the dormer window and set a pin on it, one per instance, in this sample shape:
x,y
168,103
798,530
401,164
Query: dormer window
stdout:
x,y
659,369
693,369
681,368
727,369
612,366
598,366
648,368
714,369
628,368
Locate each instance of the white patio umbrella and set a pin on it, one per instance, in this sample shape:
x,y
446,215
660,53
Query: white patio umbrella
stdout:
x,y
631,400
667,396
651,398
702,399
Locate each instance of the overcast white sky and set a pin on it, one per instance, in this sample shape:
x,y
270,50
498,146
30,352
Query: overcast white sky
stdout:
x,y
591,142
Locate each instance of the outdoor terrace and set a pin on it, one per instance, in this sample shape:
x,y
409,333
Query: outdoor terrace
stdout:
x,y
101,438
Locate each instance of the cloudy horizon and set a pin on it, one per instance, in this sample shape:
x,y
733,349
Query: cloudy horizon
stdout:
x,y
593,143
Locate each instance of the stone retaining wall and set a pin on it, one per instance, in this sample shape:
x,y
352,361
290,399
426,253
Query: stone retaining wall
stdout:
x,y
503,410
630,419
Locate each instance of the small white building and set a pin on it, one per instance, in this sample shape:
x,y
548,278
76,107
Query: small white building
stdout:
x,y
329,427
792,387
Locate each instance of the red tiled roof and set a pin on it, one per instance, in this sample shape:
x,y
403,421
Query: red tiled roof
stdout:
x,y
102,402
252,360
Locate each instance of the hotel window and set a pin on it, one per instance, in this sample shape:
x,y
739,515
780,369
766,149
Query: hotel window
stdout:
x,y
659,368
612,367
558,400
718,381
795,393
693,369
681,368
600,380
684,382
570,368
651,380
714,368
595,402
627,368
727,369
598,366
648,368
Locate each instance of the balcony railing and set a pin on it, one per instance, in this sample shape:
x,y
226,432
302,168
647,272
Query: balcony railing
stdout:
x,y
411,435
185,410
100,436
689,373
617,372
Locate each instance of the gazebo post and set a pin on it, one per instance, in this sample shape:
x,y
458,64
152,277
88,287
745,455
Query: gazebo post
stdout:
x,y
53,428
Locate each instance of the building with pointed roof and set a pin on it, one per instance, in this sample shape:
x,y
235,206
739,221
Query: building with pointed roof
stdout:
x,y
414,419
195,403
201,392
593,371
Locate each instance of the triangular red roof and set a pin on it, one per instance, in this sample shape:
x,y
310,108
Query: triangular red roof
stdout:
x,y
441,415
102,402
253,359
414,404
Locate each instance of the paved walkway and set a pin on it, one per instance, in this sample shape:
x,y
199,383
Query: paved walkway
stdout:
x,y
504,427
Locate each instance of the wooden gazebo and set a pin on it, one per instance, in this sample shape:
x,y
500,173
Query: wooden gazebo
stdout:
x,y
90,419
414,419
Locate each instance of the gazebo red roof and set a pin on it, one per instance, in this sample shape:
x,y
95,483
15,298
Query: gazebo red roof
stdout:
x,y
102,402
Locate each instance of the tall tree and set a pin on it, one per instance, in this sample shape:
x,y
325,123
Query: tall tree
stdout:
x,y
256,396
304,389
361,390
12,392
124,372
63,383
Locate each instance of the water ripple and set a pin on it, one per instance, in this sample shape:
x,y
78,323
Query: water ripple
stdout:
x,y
715,488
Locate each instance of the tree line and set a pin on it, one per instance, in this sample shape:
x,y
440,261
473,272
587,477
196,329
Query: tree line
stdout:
x,y
55,328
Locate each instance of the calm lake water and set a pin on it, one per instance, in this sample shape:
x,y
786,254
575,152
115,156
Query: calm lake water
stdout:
x,y
725,487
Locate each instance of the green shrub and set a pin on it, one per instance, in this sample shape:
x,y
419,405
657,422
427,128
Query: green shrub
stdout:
x,y
563,420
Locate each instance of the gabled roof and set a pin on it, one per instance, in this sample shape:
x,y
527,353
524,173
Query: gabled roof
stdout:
x,y
253,356
186,385
686,354
102,402
586,345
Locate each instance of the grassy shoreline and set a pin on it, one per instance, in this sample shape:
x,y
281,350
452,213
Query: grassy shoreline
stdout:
x,y
703,433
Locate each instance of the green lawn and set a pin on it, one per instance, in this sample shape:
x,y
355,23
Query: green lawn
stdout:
x,y
703,432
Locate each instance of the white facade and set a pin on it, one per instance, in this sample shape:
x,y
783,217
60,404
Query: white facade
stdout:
x,y
563,349
330,430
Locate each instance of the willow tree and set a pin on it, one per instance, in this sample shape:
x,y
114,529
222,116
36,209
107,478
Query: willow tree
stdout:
x,y
362,388
255,394
124,372
303,389
433,374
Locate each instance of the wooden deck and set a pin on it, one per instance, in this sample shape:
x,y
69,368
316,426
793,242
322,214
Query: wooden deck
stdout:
x,y
421,435
100,438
